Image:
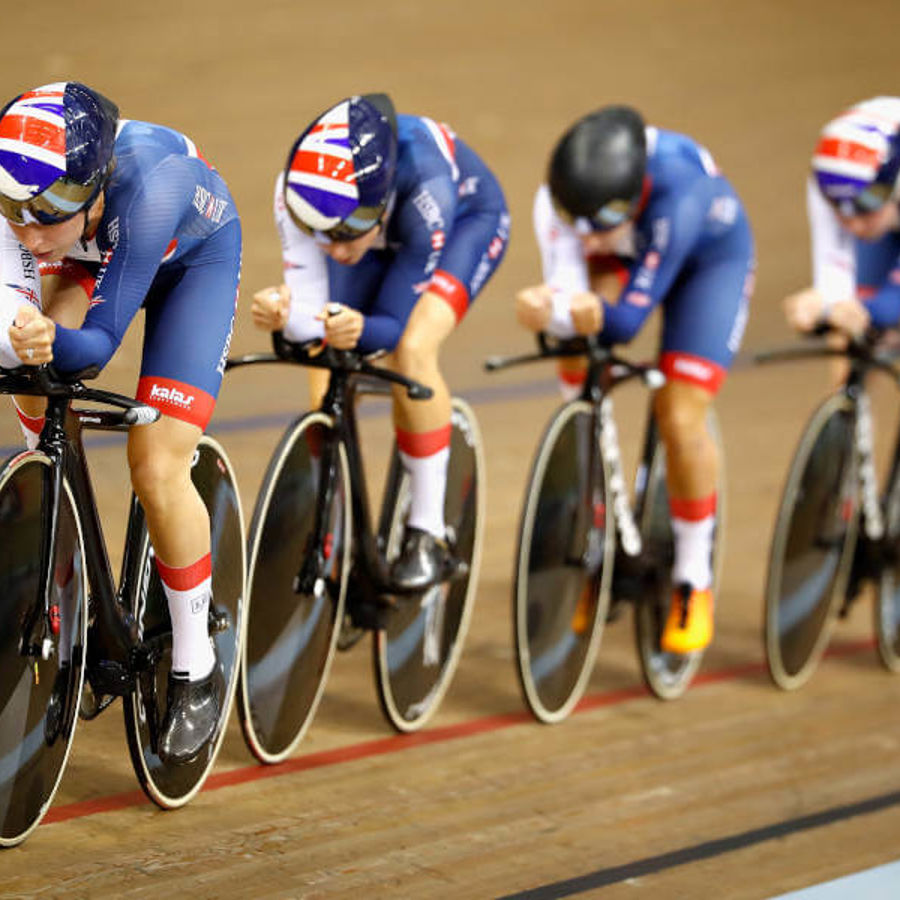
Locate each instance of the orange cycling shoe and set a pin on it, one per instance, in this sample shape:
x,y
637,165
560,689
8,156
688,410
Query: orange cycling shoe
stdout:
x,y
583,616
690,623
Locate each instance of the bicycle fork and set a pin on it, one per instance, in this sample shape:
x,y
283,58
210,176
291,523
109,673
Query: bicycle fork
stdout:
x,y
873,516
629,534
310,580
870,552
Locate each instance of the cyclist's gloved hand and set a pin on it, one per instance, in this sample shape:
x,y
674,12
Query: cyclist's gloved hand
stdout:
x,y
849,316
31,335
805,309
270,308
534,306
587,313
343,325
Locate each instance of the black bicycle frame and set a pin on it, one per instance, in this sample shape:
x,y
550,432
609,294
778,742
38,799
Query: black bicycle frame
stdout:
x,y
347,370
338,404
113,644
863,356
606,371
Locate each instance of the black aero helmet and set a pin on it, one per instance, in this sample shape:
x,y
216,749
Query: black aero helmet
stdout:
x,y
597,168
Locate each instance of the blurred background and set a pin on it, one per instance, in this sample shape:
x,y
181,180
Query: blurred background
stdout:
x,y
753,81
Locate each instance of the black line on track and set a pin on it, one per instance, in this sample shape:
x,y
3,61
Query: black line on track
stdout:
x,y
652,865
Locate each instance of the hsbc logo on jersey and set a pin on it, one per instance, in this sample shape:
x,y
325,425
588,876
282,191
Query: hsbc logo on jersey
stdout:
x,y
438,240
495,248
428,209
171,395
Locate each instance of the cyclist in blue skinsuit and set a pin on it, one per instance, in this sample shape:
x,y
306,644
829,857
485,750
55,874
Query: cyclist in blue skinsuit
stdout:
x,y
853,201
126,214
394,225
651,206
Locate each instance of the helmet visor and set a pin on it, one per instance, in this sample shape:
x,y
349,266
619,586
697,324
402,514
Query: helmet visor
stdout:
x,y
611,215
361,221
56,203
872,198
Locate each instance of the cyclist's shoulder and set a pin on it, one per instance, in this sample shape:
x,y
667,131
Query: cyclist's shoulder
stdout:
x,y
426,152
145,150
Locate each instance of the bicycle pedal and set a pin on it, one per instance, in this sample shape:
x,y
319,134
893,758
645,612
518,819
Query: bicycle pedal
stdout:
x,y
367,616
109,677
349,634
219,620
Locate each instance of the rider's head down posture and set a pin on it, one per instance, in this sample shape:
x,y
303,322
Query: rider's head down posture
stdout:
x,y
632,217
852,198
118,215
395,224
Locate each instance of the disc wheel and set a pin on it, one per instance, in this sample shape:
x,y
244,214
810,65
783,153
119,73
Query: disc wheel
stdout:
x,y
39,696
563,565
812,546
291,637
417,651
166,784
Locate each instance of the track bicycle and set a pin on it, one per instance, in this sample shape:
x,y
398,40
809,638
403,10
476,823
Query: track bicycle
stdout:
x,y
70,642
319,574
833,531
584,549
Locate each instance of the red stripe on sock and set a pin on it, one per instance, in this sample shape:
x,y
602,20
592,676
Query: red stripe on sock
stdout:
x,y
35,424
186,577
575,377
693,510
423,443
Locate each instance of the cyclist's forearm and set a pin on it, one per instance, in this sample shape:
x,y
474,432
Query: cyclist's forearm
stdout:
x,y
884,307
75,349
622,321
380,332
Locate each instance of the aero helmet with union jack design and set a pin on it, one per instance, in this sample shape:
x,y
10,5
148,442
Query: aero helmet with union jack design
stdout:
x,y
340,171
857,158
56,152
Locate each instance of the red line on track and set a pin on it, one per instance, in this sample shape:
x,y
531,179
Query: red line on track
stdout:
x,y
397,743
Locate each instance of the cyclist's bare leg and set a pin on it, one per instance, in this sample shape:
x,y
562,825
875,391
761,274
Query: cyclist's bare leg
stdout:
x,y
160,459
691,476
430,324
691,454
423,438
318,384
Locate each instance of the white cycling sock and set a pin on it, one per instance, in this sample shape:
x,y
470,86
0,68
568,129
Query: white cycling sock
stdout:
x,y
693,551
188,591
428,485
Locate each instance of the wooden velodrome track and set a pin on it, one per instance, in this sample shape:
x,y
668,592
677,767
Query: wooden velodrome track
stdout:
x,y
737,790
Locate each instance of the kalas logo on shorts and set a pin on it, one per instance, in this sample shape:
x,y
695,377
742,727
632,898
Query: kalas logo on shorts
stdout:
x,y
693,368
171,395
